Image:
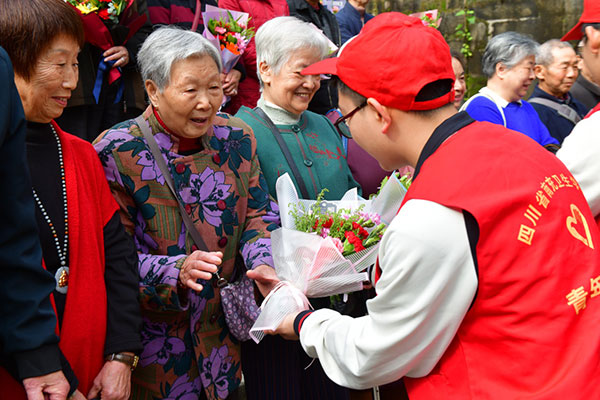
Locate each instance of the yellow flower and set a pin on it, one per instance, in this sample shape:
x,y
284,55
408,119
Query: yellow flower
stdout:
x,y
86,8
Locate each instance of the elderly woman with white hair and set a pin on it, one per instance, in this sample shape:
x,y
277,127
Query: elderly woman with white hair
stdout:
x,y
214,177
315,160
508,62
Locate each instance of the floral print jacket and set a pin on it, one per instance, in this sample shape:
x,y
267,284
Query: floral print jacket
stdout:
x,y
187,346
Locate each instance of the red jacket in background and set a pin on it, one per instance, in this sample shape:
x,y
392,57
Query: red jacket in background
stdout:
x,y
260,12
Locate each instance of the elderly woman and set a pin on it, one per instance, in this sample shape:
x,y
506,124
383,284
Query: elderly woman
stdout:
x,y
460,85
83,242
189,352
508,63
316,153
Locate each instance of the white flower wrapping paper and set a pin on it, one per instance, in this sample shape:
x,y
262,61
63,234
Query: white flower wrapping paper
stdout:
x,y
309,265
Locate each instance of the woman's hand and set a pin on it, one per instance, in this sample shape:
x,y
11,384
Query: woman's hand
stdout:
x,y
113,382
265,277
118,53
231,82
199,265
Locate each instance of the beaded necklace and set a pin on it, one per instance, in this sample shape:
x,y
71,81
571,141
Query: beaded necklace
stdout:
x,y
62,274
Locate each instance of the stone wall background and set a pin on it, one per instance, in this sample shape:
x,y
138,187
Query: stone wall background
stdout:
x,y
540,19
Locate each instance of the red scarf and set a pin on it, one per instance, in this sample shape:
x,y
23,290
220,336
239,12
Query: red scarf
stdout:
x,y
91,206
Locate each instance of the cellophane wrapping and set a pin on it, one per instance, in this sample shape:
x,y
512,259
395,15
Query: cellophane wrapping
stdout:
x,y
309,265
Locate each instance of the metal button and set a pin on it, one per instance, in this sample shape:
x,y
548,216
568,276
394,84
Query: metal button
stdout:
x,y
308,162
213,318
296,128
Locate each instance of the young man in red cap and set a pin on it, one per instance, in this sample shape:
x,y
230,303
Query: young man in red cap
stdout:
x,y
487,277
581,152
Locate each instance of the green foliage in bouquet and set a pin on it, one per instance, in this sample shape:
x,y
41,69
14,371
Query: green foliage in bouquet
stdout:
x,y
351,231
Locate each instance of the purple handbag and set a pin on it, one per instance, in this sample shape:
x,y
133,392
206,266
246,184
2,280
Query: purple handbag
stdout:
x,y
239,307
237,298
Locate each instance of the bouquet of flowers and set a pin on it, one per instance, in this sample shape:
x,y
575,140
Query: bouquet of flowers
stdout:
x,y
94,15
429,18
228,31
323,247
106,9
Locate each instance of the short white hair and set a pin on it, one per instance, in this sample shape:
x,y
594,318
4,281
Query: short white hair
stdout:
x,y
165,46
544,54
278,39
508,48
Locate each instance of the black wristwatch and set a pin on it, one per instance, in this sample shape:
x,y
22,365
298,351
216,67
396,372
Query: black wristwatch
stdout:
x,y
131,360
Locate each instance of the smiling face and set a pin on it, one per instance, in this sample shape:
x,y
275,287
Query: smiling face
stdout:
x,y
460,87
558,77
190,101
517,79
289,89
45,94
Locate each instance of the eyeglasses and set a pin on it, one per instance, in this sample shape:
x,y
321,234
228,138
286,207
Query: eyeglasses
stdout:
x,y
340,123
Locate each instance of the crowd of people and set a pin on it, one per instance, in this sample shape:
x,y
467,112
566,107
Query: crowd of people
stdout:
x,y
136,229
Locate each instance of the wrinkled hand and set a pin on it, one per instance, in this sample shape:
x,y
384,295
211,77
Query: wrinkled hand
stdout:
x,y
265,277
118,53
199,265
53,386
113,382
231,82
286,328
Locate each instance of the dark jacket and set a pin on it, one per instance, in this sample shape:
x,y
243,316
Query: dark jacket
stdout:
x,y
350,21
326,97
90,56
558,126
27,319
586,92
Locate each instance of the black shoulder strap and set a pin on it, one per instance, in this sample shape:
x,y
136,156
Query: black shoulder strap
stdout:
x,y
285,150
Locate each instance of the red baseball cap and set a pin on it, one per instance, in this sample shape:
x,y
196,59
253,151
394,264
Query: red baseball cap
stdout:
x,y
591,15
391,60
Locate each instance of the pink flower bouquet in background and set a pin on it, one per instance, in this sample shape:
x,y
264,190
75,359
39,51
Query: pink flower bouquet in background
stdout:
x,y
228,31
323,247
429,18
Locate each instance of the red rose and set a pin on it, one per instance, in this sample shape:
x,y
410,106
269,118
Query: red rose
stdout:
x,y
103,14
328,223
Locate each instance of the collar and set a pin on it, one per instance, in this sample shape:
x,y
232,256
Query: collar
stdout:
x,y
589,85
353,10
172,142
278,115
446,129
539,92
302,4
486,91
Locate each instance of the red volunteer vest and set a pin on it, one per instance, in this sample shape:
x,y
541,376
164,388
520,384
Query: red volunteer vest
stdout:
x,y
91,206
532,331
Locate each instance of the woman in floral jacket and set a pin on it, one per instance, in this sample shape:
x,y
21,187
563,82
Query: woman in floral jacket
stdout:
x,y
188,350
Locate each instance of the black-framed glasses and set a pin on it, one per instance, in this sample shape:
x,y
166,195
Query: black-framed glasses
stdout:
x,y
340,123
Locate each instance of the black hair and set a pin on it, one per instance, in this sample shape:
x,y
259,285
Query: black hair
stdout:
x,y
595,25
